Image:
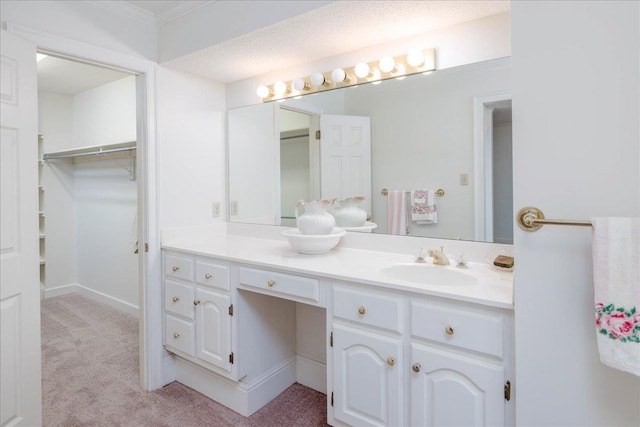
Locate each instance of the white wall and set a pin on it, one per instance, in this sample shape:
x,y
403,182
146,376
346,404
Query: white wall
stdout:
x,y
191,149
576,79
105,198
86,22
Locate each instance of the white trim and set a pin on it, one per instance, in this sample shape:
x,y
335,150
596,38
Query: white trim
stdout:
x,y
177,10
150,311
76,288
311,373
59,290
481,158
126,9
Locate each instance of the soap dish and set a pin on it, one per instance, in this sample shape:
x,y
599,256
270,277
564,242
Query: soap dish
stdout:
x,y
313,244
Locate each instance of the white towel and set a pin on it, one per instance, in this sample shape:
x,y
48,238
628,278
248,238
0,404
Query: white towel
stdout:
x,y
397,212
423,207
616,278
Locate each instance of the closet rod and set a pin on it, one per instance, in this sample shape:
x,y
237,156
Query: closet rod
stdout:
x,y
91,153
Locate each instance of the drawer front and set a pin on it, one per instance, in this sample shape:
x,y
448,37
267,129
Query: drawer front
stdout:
x,y
178,267
481,332
383,311
214,275
179,334
281,284
178,298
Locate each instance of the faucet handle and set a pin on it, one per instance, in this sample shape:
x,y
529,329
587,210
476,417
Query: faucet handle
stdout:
x,y
461,261
420,255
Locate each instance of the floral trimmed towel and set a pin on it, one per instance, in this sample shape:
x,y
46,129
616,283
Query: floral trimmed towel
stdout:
x,y
616,279
423,207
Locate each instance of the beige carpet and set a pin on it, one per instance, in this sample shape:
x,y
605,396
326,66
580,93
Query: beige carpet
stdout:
x,y
90,378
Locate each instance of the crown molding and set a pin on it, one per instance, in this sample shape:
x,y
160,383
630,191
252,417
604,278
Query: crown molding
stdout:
x,y
178,9
126,9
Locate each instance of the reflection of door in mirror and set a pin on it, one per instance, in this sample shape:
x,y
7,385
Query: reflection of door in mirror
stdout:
x,y
295,164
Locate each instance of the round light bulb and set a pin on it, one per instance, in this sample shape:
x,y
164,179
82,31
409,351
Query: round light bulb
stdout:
x,y
338,75
317,79
300,84
415,58
263,91
387,64
362,70
279,88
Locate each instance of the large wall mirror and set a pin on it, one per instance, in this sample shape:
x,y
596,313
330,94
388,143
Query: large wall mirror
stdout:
x,y
450,130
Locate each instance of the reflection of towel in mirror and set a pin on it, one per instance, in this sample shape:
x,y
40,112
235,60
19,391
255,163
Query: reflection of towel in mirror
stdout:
x,y
423,207
397,212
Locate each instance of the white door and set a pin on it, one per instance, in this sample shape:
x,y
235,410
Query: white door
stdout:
x,y
454,390
213,328
345,158
20,397
367,378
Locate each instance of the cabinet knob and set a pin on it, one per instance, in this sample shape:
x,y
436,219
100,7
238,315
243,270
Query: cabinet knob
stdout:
x,y
449,330
175,268
416,367
196,302
176,299
176,335
362,310
207,276
391,360
271,283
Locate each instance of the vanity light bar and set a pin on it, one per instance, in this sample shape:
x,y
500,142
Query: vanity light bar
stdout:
x,y
417,61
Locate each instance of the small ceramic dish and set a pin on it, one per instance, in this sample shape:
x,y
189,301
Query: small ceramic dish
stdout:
x,y
313,244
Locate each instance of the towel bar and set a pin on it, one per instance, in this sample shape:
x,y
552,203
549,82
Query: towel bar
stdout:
x,y
532,219
439,192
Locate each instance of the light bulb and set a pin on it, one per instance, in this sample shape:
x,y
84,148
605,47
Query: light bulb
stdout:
x,y
415,58
263,91
317,79
387,64
300,84
279,88
339,75
362,70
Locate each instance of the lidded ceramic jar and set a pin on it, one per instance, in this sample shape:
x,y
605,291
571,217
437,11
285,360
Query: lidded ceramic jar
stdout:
x,y
315,219
350,214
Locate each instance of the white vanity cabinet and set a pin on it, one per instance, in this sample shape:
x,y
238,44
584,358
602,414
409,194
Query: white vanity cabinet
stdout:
x,y
198,311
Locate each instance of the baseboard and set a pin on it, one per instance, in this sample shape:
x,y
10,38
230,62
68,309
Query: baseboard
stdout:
x,y
116,303
168,368
311,373
240,397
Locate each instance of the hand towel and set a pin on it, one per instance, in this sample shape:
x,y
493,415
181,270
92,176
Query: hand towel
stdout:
x,y
423,207
616,278
397,212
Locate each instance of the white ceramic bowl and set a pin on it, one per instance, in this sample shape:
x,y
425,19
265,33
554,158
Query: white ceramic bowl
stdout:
x,y
313,244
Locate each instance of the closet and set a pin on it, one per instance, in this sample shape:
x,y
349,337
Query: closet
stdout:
x,y
87,182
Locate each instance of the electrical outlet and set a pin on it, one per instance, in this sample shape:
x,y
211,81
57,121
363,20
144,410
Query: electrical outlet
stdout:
x,y
464,179
216,209
234,207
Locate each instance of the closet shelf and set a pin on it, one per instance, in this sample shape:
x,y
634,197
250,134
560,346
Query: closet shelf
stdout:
x,y
42,261
42,235
91,150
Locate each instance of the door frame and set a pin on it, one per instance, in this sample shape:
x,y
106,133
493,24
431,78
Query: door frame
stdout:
x,y
149,261
483,162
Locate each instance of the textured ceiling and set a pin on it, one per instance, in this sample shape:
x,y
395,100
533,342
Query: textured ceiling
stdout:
x,y
70,78
334,29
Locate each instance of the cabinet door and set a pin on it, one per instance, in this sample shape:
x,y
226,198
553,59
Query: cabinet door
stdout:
x,y
454,390
367,377
213,328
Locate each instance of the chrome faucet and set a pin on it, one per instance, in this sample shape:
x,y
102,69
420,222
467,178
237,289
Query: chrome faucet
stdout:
x,y
439,257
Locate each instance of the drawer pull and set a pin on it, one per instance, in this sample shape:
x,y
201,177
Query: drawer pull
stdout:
x,y
391,360
416,367
175,268
207,276
176,335
196,302
176,299
449,330
362,310
271,283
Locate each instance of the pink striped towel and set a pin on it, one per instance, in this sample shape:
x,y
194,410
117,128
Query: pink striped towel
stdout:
x,y
398,212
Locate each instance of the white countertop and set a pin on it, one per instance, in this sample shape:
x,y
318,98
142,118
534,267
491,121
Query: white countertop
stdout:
x,y
495,288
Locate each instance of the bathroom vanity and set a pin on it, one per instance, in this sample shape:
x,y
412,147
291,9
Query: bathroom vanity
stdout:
x,y
398,352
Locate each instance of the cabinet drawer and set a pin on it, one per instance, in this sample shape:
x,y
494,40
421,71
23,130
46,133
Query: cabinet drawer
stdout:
x,y
364,307
214,275
179,267
179,334
280,284
178,298
481,332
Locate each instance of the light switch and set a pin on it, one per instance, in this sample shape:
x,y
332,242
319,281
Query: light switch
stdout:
x,y
464,179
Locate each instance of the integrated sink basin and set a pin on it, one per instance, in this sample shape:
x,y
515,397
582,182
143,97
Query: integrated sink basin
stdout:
x,y
429,274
